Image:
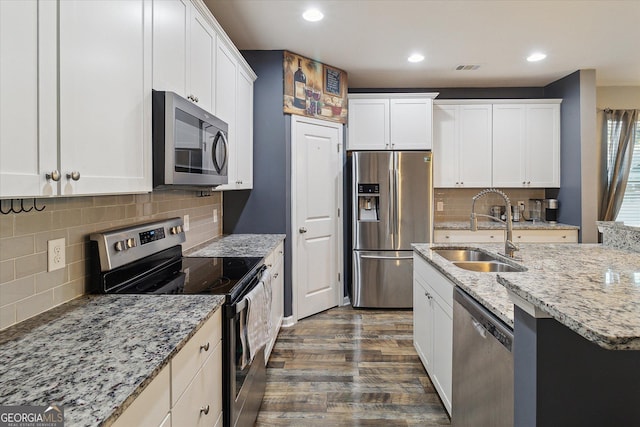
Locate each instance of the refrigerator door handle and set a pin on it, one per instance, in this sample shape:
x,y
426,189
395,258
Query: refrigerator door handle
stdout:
x,y
385,257
392,204
396,202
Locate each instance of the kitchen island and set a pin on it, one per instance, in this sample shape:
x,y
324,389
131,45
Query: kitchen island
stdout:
x,y
576,326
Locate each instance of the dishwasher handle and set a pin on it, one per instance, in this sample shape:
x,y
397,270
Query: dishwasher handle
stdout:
x,y
484,319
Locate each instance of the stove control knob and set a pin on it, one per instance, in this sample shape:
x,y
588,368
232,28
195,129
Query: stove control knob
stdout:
x,y
176,230
131,242
119,246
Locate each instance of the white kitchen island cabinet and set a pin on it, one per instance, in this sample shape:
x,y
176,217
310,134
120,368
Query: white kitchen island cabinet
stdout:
x,y
462,146
433,326
498,235
400,121
275,262
526,145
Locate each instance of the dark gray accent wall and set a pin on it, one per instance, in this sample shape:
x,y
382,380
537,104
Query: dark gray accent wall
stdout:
x,y
570,194
266,208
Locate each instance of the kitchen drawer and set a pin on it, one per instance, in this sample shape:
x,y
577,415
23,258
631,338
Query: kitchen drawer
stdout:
x,y
186,363
275,256
201,403
545,236
438,283
468,236
151,407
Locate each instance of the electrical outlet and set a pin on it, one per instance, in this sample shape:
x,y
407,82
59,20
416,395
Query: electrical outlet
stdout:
x,y
185,223
56,254
439,206
215,215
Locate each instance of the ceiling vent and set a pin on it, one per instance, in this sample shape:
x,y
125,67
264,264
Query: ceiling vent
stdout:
x,y
467,67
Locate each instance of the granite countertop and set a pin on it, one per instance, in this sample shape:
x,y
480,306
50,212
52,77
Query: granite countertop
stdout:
x,y
491,225
94,355
238,245
591,289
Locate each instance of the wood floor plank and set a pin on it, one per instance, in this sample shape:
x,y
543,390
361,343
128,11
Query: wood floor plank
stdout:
x,y
347,367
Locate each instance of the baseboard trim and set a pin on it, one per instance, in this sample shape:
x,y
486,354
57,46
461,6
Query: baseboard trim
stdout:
x,y
288,322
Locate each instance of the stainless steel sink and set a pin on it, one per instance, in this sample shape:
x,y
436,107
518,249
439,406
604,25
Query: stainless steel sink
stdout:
x,y
465,255
488,266
477,260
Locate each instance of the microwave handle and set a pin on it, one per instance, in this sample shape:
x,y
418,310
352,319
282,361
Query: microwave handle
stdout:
x,y
214,149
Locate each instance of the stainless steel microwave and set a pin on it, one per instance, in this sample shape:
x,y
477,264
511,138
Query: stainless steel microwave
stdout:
x,y
190,147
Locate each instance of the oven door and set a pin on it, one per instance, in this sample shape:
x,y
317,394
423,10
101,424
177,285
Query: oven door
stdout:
x,y
243,381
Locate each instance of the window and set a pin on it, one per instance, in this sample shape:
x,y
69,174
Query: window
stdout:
x,y
630,209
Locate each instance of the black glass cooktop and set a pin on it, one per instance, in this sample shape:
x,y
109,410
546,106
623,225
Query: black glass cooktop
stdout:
x,y
219,276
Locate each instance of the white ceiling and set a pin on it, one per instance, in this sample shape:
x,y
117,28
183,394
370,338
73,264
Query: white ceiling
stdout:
x,y
371,39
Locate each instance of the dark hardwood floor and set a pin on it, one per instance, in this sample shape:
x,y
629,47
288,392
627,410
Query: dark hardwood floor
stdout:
x,y
347,367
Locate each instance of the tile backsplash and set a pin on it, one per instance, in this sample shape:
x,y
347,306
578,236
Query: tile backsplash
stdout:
x,y
456,202
27,289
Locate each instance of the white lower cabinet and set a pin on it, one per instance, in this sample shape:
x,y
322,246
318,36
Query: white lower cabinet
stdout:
x,y
498,236
188,391
275,263
433,325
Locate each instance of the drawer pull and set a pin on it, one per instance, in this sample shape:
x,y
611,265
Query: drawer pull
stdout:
x,y
275,276
428,295
204,409
205,347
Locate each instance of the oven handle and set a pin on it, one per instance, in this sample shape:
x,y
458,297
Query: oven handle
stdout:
x,y
241,305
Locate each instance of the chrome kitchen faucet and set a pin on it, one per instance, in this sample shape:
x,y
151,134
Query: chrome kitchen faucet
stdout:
x,y
509,247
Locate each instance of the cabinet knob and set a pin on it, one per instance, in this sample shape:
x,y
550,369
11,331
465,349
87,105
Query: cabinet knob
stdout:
x,y
75,175
524,182
204,410
457,183
461,183
428,295
564,237
54,175
528,182
275,276
302,230
205,347
491,237
446,237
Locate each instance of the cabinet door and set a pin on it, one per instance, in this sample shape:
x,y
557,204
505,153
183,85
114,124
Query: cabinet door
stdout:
x,y
28,142
542,134
422,322
151,407
244,131
226,93
443,351
171,20
474,146
445,137
411,124
201,61
509,145
105,96
368,124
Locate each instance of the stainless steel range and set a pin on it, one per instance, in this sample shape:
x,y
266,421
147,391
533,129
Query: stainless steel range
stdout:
x,y
147,259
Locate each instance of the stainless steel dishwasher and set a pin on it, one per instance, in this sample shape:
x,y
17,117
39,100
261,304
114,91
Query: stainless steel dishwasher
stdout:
x,y
482,366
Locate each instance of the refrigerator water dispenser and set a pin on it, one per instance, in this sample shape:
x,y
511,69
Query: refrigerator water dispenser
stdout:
x,y
368,202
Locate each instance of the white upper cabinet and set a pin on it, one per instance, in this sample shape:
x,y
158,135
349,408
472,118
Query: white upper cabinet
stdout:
x,y
244,131
369,124
184,52
411,122
390,121
526,145
105,96
462,145
28,152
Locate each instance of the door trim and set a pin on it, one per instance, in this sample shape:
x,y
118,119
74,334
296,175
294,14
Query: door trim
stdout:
x,y
295,120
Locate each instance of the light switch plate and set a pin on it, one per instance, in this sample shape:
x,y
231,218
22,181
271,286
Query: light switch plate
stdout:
x,y
439,206
215,215
185,223
56,254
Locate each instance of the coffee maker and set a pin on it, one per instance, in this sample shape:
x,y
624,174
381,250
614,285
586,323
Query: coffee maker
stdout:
x,y
550,211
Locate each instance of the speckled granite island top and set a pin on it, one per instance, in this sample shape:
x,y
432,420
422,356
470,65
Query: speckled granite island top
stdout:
x,y
238,245
95,355
591,289
491,225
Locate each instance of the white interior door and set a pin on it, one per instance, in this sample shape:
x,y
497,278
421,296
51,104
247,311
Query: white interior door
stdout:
x,y
317,195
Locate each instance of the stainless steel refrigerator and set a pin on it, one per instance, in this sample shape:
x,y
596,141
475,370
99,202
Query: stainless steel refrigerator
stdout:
x,y
392,208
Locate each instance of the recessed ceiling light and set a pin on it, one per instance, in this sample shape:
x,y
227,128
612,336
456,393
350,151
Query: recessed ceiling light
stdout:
x,y
416,57
312,15
538,56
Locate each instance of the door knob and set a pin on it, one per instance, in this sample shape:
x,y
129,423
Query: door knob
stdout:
x,y
302,230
